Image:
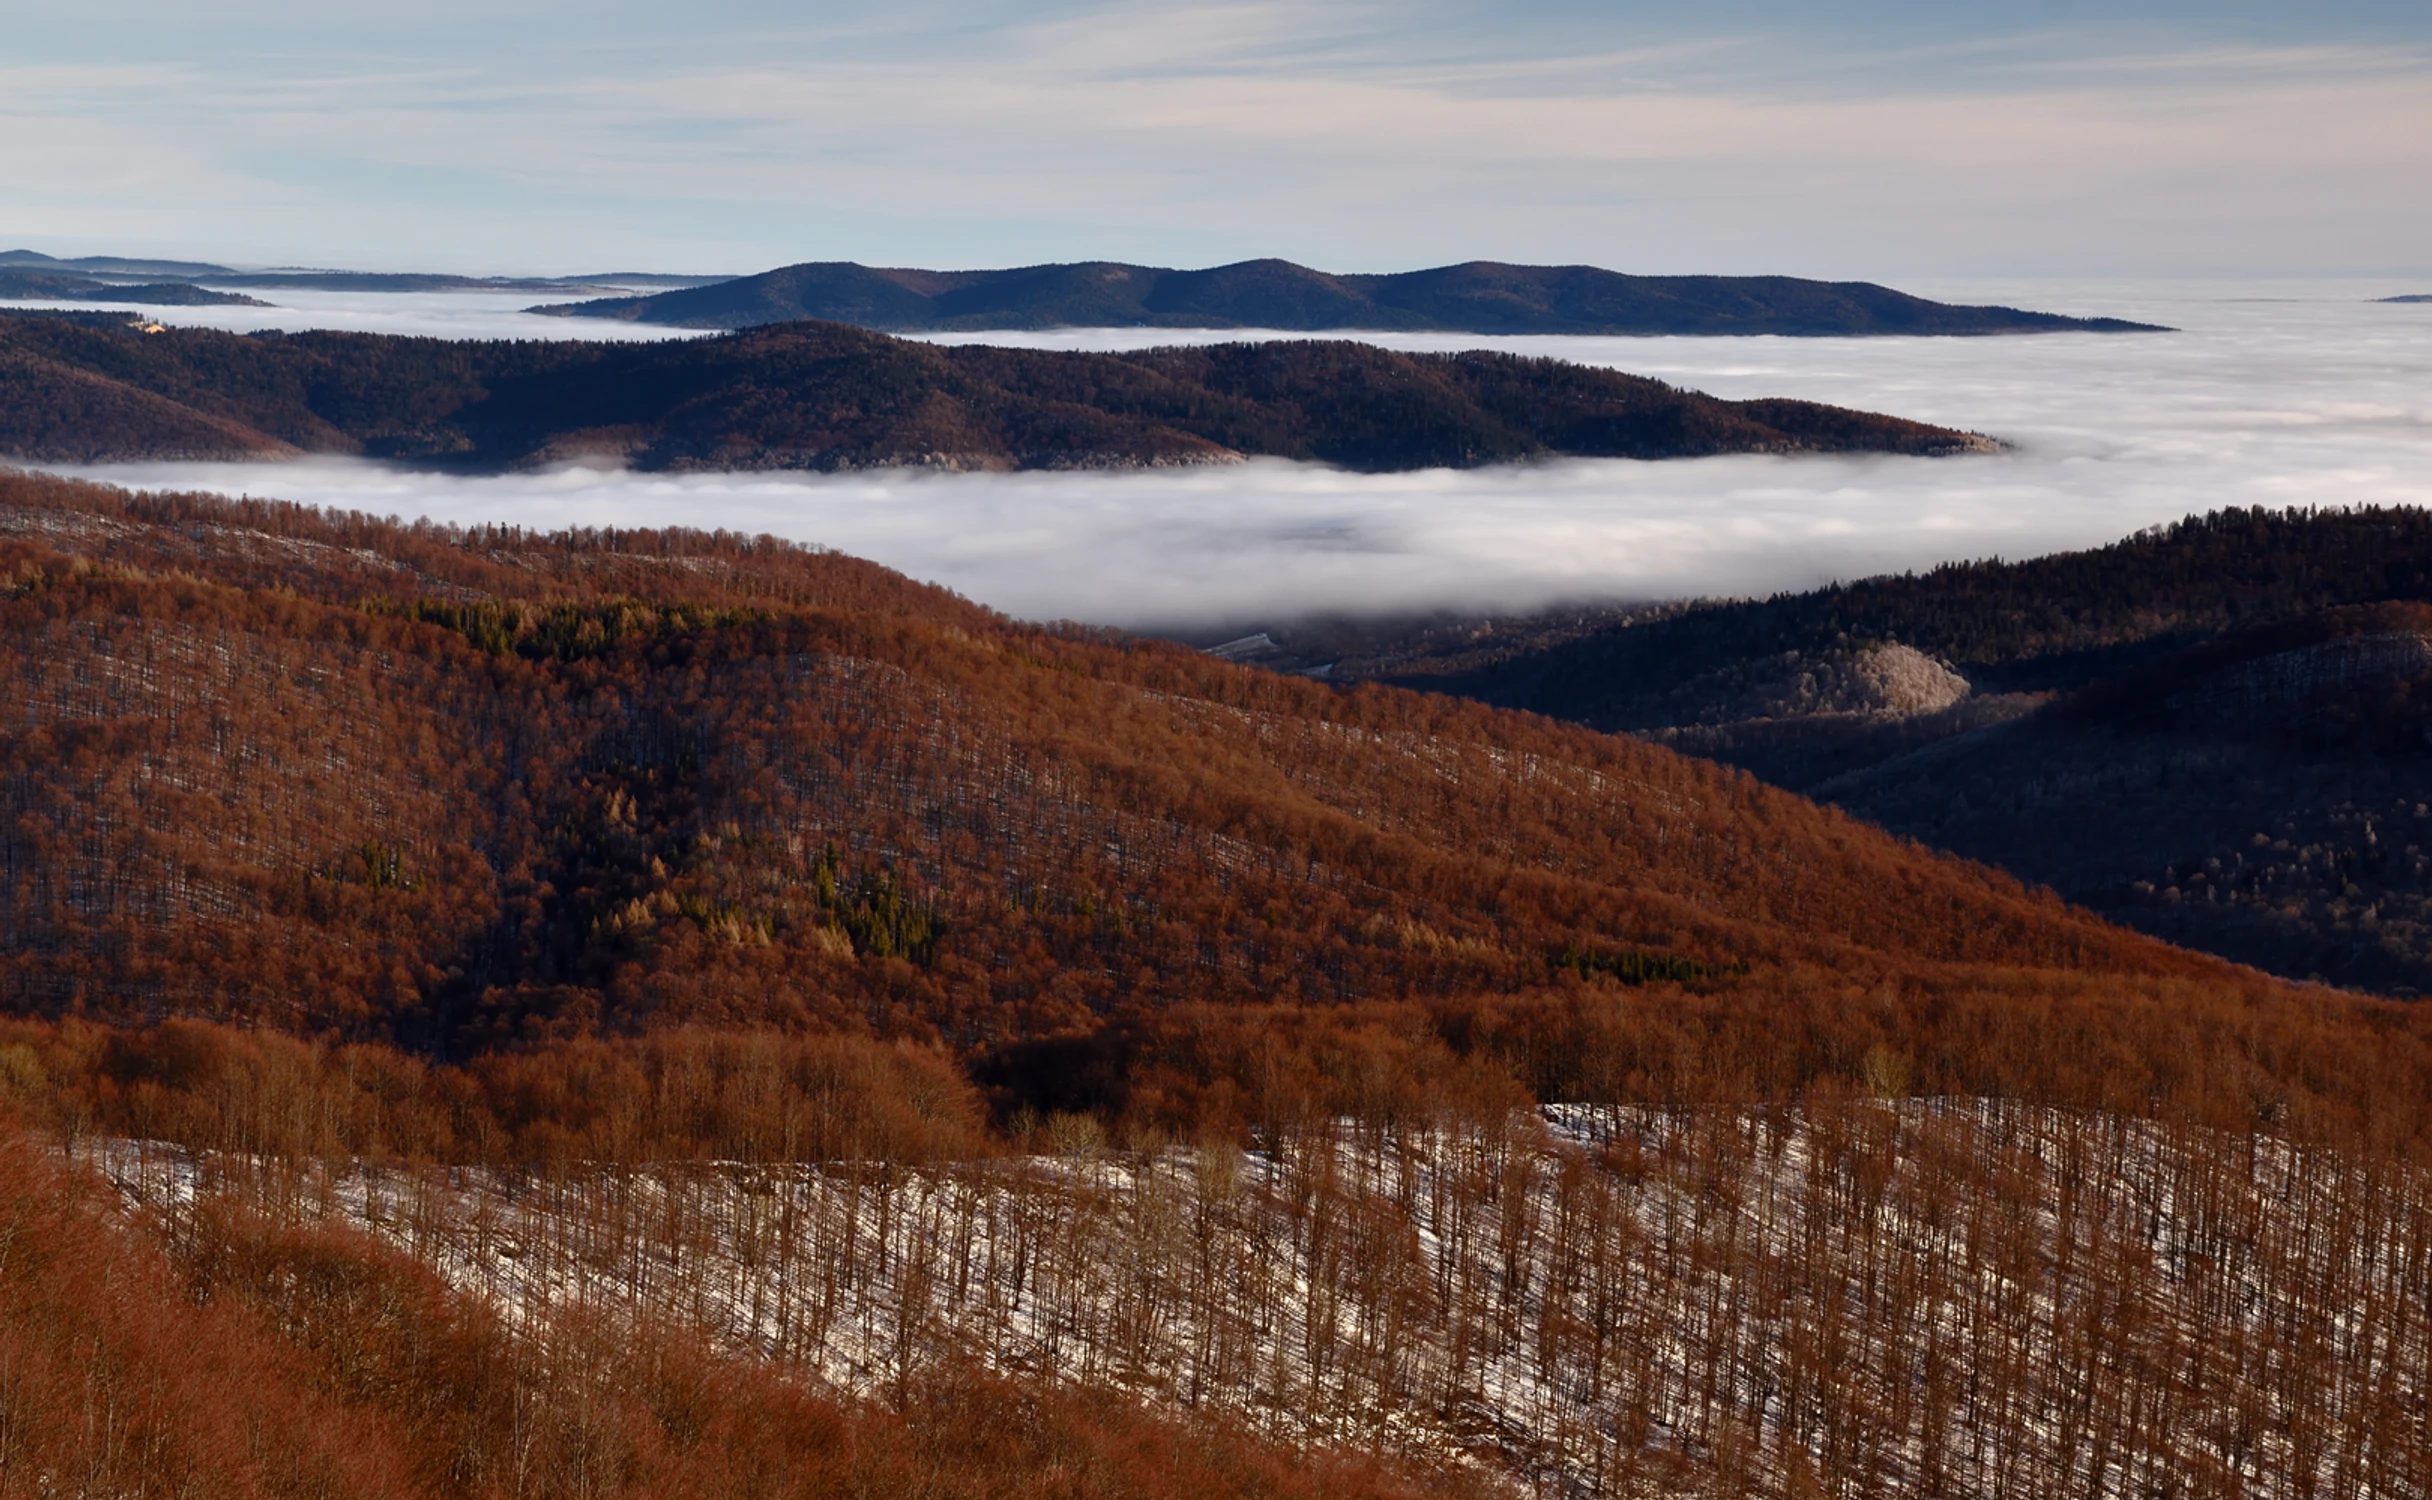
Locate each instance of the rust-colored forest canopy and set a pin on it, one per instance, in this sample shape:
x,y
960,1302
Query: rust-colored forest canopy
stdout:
x,y
465,792
470,789
244,1359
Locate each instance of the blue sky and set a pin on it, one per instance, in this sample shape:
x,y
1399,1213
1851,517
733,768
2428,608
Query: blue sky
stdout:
x,y
1885,140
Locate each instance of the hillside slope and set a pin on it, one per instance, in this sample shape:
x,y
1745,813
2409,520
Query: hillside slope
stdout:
x,y
456,789
1476,297
225,1354
824,396
2212,731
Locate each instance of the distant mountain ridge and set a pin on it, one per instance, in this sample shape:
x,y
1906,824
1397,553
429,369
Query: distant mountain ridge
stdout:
x,y
1476,297
87,387
106,265
67,287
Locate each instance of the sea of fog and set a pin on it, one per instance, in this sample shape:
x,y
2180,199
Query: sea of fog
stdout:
x,y
2278,393
446,315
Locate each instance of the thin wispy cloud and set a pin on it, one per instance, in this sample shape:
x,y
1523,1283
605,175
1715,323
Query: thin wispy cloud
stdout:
x,y
1877,140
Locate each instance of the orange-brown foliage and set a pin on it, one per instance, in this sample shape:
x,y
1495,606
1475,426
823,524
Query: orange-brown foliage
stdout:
x,y
326,839
609,784
269,1362
113,1381
234,800
755,1096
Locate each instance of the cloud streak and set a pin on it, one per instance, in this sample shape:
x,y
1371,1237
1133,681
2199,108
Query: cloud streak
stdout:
x,y
1362,136
2278,394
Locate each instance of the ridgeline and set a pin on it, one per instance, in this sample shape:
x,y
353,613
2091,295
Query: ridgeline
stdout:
x,y
1476,297
92,388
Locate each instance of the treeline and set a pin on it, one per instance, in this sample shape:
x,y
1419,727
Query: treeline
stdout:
x,y
382,566
2347,1074
66,286
85,388
734,1096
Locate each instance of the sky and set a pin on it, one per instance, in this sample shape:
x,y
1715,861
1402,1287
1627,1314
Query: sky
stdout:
x,y
1883,140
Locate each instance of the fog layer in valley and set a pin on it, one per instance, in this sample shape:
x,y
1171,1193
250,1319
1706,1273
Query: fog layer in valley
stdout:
x,y
444,315
2276,394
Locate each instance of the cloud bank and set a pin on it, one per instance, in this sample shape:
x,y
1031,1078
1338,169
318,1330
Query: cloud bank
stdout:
x,y
442,315
2276,394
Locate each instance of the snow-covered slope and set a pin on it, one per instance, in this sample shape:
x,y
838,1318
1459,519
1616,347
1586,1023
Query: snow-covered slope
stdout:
x,y
1923,1298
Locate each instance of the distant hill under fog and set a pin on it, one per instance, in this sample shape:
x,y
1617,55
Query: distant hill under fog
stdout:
x,y
89,387
1477,297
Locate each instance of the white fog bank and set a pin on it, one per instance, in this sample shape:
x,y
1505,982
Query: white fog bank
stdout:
x,y
2275,394
462,314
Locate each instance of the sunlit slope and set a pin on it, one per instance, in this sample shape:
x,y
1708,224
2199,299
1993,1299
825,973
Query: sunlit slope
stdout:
x,y
467,787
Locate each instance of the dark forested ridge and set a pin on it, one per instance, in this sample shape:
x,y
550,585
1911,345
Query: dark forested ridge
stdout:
x,y
115,266
1476,297
61,287
2040,624
83,388
663,1014
2214,731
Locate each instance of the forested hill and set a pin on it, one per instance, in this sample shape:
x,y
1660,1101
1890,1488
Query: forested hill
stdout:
x,y
1476,297
2035,625
86,388
458,787
2218,731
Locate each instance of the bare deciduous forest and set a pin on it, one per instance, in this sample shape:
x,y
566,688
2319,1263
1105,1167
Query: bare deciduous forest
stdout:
x,y
654,1013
